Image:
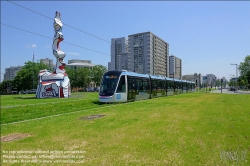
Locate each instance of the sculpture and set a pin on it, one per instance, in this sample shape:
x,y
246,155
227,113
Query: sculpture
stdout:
x,y
58,37
56,83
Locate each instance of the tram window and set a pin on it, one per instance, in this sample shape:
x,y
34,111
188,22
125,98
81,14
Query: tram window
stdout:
x,y
145,84
170,85
162,84
185,86
139,84
154,82
131,83
158,85
121,86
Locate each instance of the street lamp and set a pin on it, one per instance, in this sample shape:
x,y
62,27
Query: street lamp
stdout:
x,y
236,76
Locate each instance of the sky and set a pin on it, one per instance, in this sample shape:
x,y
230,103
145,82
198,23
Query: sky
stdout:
x,y
207,35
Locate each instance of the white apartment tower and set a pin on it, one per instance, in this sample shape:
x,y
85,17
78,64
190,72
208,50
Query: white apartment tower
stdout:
x,y
175,67
119,54
148,54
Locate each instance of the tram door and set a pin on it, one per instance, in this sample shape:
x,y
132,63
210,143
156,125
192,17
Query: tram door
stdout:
x,y
131,88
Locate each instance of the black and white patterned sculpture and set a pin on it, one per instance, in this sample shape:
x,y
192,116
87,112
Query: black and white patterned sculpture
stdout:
x,y
56,83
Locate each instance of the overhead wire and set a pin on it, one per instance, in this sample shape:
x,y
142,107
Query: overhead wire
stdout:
x,y
63,23
82,32
95,50
52,39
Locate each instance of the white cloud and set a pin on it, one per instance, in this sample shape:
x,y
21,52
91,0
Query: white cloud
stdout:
x,y
73,53
32,45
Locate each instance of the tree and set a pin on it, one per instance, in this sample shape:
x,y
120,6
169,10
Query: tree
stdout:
x,y
244,67
79,77
6,86
72,74
24,77
231,83
97,72
248,79
218,82
242,81
83,77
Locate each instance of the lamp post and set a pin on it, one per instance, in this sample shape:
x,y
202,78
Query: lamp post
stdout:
x,y
236,76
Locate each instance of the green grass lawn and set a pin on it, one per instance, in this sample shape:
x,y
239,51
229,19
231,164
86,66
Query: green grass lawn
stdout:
x,y
188,129
23,107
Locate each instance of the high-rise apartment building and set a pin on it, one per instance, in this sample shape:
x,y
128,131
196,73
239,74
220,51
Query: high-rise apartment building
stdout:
x,y
119,54
11,72
143,53
148,54
175,67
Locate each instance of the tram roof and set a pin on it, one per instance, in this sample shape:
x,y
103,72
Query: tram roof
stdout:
x,y
158,77
134,74
146,76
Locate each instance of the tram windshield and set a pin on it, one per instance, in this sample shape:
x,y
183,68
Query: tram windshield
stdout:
x,y
109,84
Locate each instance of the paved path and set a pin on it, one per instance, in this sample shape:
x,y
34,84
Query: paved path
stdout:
x,y
230,92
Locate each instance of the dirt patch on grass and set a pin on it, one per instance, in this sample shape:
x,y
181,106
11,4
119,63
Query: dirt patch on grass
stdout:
x,y
92,117
14,137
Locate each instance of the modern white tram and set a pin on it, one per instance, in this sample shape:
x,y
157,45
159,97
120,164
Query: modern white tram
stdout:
x,y
123,86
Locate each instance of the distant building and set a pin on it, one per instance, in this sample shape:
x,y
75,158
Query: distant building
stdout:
x,y
77,63
211,79
189,77
48,62
11,72
109,66
119,54
175,67
204,79
197,78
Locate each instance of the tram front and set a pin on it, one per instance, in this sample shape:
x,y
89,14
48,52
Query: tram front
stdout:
x,y
108,86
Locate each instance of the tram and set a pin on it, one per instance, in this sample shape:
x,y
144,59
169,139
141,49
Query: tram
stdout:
x,y
124,86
